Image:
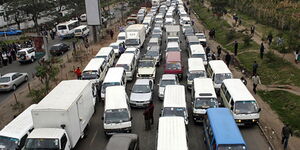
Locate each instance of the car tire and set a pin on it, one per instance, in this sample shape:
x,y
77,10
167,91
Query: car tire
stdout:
x,y
26,78
14,87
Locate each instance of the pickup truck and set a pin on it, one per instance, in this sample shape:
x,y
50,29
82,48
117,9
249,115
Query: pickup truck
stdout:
x,y
10,32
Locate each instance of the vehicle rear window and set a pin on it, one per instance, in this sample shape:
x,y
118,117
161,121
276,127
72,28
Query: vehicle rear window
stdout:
x,y
62,27
21,53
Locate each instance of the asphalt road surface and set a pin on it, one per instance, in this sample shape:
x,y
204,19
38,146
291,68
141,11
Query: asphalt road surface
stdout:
x,y
96,139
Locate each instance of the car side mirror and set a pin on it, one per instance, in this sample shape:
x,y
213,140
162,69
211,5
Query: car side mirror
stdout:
x,y
259,110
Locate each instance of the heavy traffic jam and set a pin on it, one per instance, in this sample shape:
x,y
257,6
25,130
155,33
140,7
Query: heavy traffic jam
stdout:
x,y
156,37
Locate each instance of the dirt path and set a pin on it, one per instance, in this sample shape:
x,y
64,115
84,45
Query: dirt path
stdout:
x,y
257,37
269,122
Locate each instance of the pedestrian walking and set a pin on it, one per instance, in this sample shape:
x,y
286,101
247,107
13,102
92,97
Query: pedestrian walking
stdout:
x,y
286,132
252,30
256,81
4,58
13,54
254,68
213,33
262,50
78,73
111,34
227,59
147,119
270,38
213,56
297,56
219,51
243,79
235,46
9,57
151,110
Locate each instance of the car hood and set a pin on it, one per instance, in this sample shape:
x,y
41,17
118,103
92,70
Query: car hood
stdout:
x,y
140,96
150,70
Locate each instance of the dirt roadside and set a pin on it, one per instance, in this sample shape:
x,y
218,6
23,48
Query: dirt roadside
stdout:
x,y
270,122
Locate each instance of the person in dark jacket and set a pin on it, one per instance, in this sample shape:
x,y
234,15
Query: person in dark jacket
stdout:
x,y
227,59
262,50
219,51
147,116
151,110
235,46
286,132
254,68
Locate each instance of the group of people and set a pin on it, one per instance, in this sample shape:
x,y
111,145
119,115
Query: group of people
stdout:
x,y
8,52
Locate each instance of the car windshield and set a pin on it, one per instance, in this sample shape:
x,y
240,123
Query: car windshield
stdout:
x,y
156,36
245,107
192,76
55,48
146,64
125,66
7,143
78,30
174,111
4,79
231,147
199,56
62,27
204,103
130,42
121,38
164,83
107,84
35,143
152,53
141,89
173,49
116,115
173,66
156,30
88,75
220,77
200,36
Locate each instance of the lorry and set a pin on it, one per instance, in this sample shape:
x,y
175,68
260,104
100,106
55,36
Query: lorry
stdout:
x,y
173,33
135,35
60,118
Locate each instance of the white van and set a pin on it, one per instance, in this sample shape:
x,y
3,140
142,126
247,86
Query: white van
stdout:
x,y
174,102
66,29
95,70
197,51
116,117
218,71
172,134
128,62
108,54
203,97
239,100
115,76
121,37
14,134
196,70
81,31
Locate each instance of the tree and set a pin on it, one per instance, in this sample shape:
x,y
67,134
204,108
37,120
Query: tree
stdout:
x,y
219,6
46,72
10,12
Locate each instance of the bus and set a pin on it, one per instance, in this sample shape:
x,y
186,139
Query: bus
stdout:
x,y
67,29
221,131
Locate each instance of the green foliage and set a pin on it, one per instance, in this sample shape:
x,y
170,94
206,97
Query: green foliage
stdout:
x,y
247,40
46,72
286,105
37,95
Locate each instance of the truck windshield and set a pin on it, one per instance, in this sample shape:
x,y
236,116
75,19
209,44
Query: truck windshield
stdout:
x,y
245,107
7,143
48,144
174,111
88,75
132,42
232,147
204,103
116,115
220,77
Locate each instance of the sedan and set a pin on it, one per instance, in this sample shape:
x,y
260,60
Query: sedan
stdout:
x,y
154,53
141,93
59,49
10,81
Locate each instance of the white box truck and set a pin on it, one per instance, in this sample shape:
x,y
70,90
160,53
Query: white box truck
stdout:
x,y
173,33
135,35
61,118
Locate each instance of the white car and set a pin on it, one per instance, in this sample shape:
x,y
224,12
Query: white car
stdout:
x,y
10,81
146,69
166,79
121,37
26,55
141,93
170,21
135,51
173,46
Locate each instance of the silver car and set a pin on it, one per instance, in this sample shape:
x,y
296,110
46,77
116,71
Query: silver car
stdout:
x,y
141,93
11,81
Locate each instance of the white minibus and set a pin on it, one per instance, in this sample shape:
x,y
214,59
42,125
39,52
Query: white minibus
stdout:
x,y
116,117
115,76
108,54
81,31
196,70
238,99
66,29
14,134
203,97
175,102
128,62
172,134
197,51
218,71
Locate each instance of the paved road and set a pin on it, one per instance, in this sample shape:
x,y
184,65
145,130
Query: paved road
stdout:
x,y
96,138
